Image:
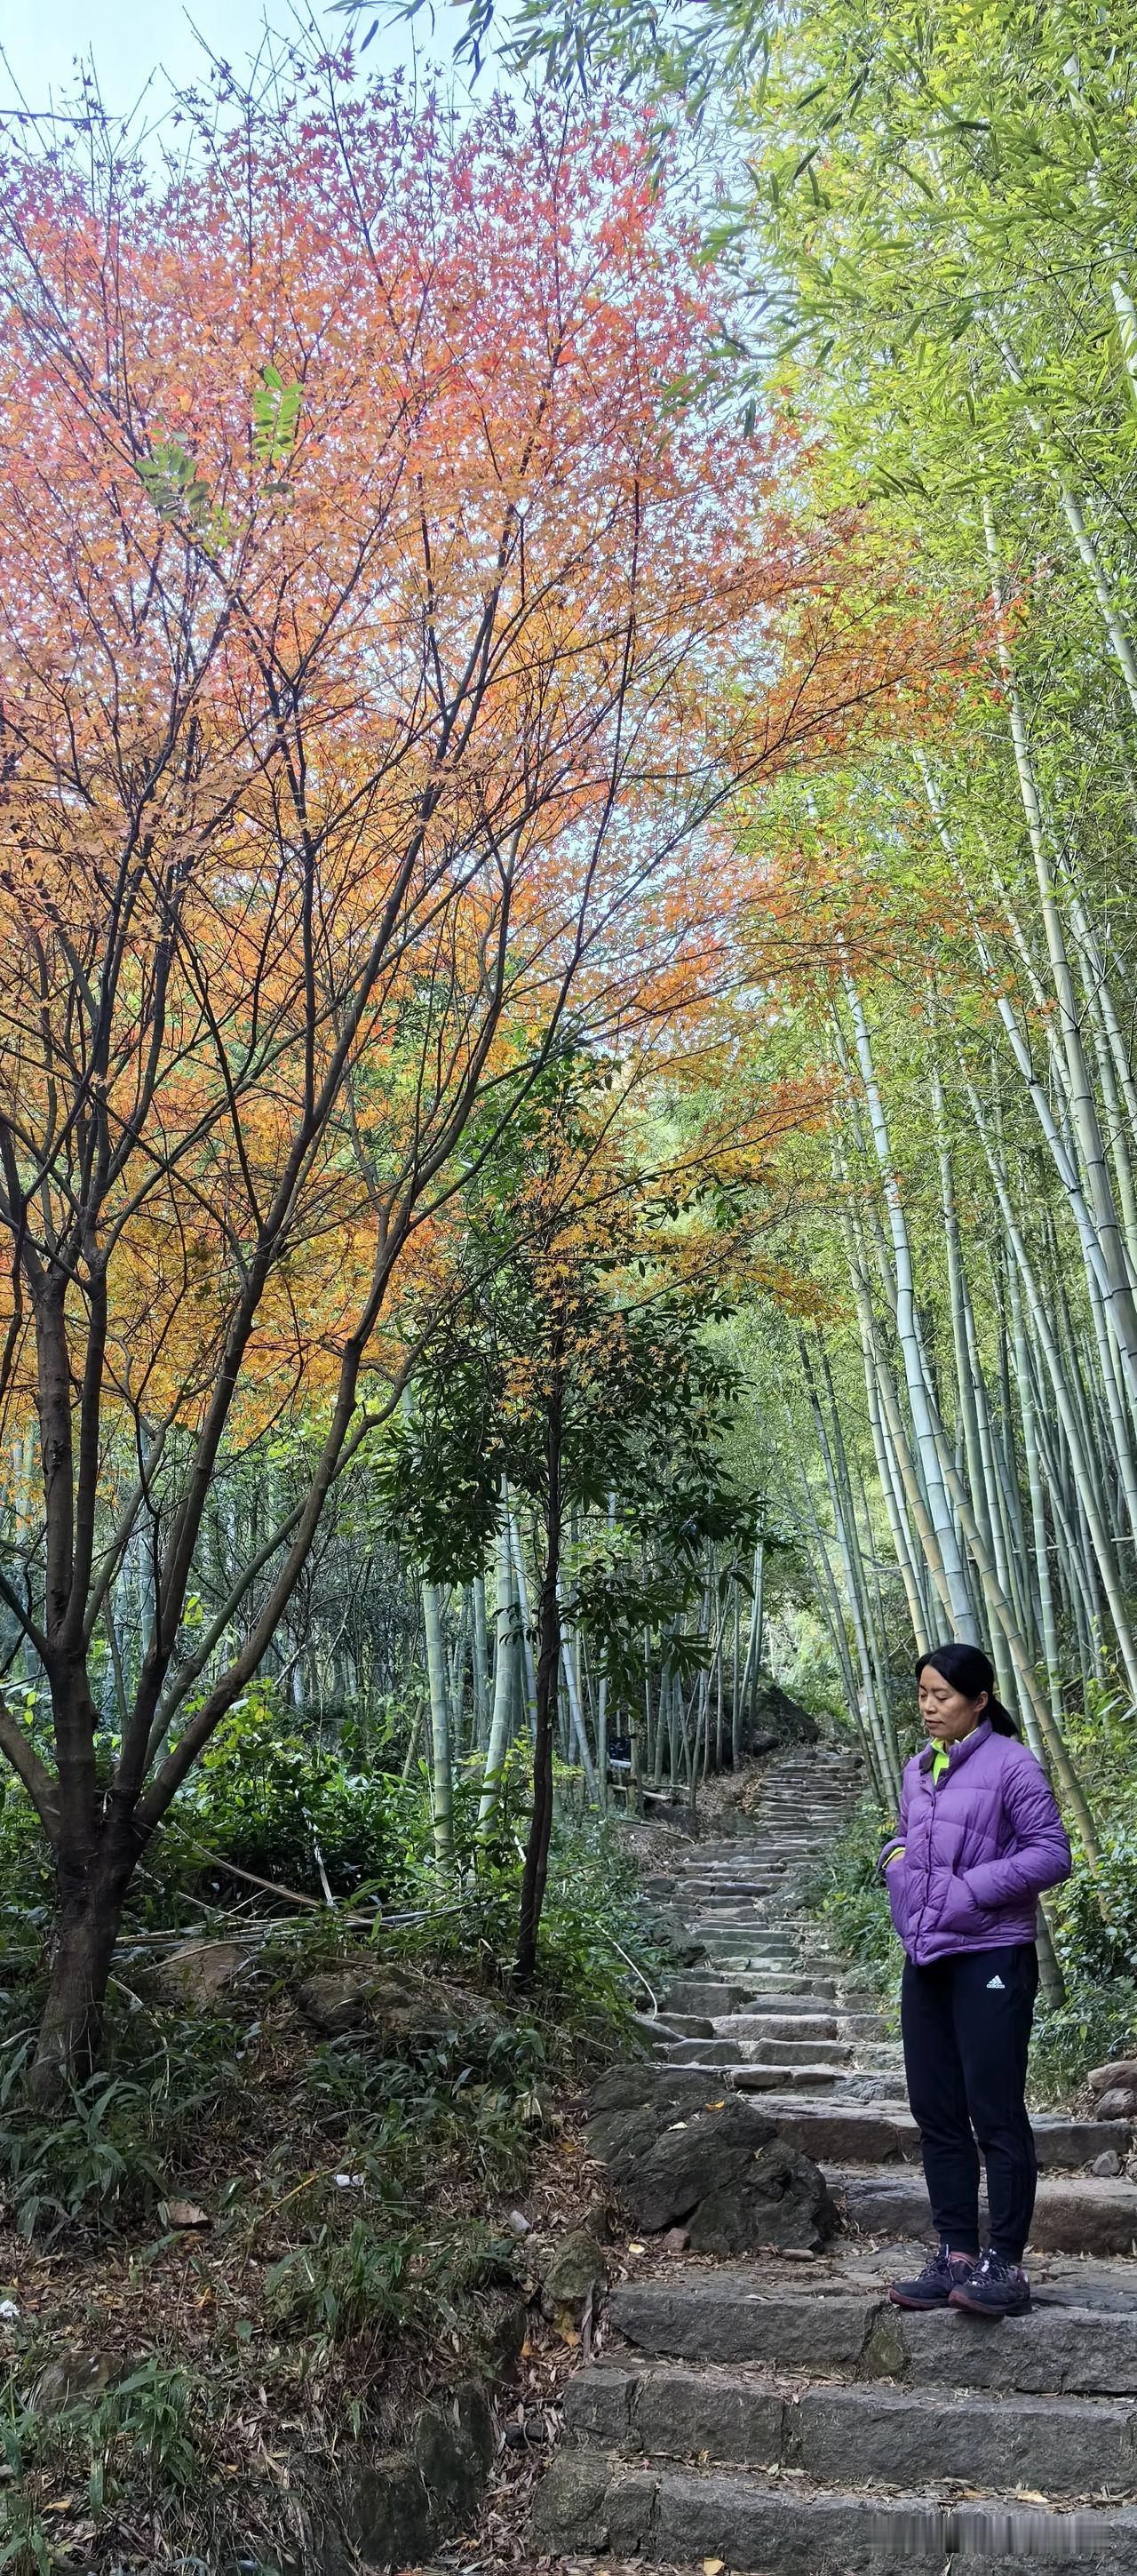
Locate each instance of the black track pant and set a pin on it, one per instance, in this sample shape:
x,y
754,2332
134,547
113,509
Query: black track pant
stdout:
x,y
966,2025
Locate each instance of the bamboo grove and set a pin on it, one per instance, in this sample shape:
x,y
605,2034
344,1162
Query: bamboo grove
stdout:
x,y
956,251
944,204
929,218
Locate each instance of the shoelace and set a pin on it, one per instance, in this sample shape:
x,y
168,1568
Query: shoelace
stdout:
x,y
995,2267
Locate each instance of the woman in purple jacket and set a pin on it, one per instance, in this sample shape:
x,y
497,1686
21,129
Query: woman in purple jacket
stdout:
x,y
979,1838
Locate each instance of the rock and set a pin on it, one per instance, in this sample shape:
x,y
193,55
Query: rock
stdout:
x,y
453,2447
1107,2166
391,2519
571,2270
684,2156
517,2223
1120,2103
334,1999
598,2218
406,2502
392,2002
1122,2072
503,2340
774,1718
198,1973
669,1932
76,2379
782,2199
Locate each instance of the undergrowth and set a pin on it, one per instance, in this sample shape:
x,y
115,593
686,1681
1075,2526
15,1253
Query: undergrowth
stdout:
x,y
239,2219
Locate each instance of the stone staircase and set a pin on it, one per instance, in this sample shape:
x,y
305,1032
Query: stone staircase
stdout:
x,y
782,2417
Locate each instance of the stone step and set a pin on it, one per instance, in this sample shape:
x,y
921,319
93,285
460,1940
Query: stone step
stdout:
x,y
701,2052
703,1994
790,2052
1065,2446
738,2315
778,2019
799,1991
880,2129
778,2024
1073,2215
678,2517
721,2065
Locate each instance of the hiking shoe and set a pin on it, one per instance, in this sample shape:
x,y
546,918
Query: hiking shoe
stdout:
x,y
936,2285
995,2288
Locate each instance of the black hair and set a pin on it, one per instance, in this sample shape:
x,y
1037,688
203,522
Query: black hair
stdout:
x,y
970,1671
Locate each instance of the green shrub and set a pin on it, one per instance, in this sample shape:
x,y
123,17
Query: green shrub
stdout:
x,y
1095,2023
1096,1912
271,1802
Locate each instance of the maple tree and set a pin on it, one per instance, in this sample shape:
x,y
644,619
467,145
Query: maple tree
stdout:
x,y
380,609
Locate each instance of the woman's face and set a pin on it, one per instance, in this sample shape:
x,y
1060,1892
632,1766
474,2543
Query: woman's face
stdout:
x,y
945,1712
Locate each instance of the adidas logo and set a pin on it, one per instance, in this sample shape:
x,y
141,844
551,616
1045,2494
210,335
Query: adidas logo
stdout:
x,y
996,1982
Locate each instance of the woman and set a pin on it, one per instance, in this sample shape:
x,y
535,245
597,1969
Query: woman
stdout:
x,y
980,1837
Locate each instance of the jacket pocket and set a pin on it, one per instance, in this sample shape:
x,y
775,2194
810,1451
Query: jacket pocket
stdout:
x,y
961,1912
896,1881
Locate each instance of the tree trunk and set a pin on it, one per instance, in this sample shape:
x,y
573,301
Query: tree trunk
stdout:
x,y
501,1719
71,2028
481,1665
548,1662
440,1763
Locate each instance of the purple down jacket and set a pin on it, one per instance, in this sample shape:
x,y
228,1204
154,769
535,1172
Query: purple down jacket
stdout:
x,y
976,1851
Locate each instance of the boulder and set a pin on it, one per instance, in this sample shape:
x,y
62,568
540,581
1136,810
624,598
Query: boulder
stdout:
x,y
685,2157
781,2199
392,2002
391,2517
334,1999
453,2447
1121,2073
774,1718
572,2269
409,2500
1120,2103
199,1973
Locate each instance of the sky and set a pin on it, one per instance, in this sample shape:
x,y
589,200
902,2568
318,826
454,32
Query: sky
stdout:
x,y
131,40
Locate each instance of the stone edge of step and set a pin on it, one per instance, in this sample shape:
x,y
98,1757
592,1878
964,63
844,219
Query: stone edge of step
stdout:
x,y
591,2499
